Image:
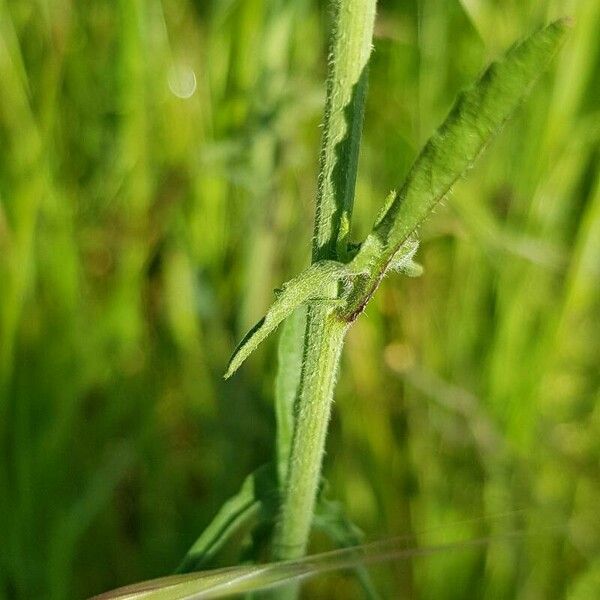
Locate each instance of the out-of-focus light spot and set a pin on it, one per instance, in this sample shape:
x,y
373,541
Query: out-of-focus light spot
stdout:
x,y
399,357
182,81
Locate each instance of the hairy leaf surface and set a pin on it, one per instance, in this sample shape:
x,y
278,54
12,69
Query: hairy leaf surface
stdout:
x,y
315,283
476,118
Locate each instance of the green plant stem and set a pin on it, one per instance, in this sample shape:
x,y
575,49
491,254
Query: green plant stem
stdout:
x,y
350,48
326,332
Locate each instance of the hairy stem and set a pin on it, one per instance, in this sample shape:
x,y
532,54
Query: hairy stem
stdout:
x,y
350,47
326,332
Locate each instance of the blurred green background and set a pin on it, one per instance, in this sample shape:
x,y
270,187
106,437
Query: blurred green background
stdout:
x,y
157,178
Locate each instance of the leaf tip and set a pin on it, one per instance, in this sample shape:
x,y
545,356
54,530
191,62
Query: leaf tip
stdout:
x,y
234,363
231,368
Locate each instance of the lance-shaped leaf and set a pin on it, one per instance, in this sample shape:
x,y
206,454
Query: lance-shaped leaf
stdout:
x,y
476,118
318,282
256,501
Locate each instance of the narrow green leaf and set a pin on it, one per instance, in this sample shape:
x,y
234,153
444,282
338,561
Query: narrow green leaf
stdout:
x,y
476,118
241,511
315,283
289,365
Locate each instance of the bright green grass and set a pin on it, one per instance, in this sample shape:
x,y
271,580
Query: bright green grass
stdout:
x,y
141,235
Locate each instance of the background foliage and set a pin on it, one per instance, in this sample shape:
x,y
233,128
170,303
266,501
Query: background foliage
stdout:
x,y
142,233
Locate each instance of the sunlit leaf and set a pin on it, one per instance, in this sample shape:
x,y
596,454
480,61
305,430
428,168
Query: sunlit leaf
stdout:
x,y
474,121
315,283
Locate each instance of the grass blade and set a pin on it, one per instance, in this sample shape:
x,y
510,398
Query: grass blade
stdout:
x,y
228,582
